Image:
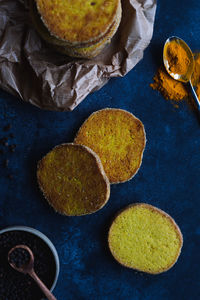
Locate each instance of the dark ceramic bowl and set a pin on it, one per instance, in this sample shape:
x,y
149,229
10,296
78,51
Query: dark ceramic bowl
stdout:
x,y
47,242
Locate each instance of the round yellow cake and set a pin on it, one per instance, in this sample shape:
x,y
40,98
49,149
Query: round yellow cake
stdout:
x,y
72,180
77,21
118,137
94,49
82,49
145,238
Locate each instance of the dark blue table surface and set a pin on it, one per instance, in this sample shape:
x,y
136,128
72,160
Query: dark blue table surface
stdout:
x,y
168,178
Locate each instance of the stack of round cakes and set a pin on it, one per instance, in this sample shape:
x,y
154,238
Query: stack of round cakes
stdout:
x,y
74,27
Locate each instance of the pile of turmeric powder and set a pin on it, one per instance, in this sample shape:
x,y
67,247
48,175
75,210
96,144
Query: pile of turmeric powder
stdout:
x,y
173,89
169,87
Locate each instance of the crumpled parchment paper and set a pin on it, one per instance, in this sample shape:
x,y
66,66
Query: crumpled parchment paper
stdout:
x,y
32,70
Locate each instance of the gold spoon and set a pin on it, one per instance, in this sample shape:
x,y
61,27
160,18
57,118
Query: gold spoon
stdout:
x,y
28,268
185,78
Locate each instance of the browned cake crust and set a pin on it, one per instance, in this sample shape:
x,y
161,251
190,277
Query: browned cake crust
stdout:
x,y
119,138
72,180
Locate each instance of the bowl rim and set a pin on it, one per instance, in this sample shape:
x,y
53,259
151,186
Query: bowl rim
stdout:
x,y
45,239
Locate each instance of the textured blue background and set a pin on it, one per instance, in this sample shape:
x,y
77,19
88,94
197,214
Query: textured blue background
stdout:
x,y
168,178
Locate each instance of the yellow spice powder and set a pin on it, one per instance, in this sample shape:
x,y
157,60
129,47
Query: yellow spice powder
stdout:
x,y
172,89
177,58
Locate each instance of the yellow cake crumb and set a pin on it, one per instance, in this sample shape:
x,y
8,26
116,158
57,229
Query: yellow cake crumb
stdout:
x,y
118,137
78,21
72,180
145,238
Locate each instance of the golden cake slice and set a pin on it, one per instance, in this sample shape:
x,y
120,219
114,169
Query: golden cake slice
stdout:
x,y
145,238
77,21
85,51
72,180
41,28
118,137
93,50
47,36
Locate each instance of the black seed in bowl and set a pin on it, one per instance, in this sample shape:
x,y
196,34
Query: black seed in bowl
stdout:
x,y
19,257
18,286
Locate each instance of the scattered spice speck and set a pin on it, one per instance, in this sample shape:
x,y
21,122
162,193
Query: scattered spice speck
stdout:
x,y
7,127
12,147
6,162
6,147
4,141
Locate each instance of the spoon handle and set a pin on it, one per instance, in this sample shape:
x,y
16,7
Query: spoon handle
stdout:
x,y
195,96
42,286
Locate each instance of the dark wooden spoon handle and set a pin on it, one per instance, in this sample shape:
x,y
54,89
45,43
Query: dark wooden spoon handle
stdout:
x,y
42,286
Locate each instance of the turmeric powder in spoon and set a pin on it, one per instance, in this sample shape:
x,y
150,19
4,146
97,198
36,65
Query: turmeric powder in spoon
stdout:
x,y
180,64
177,58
